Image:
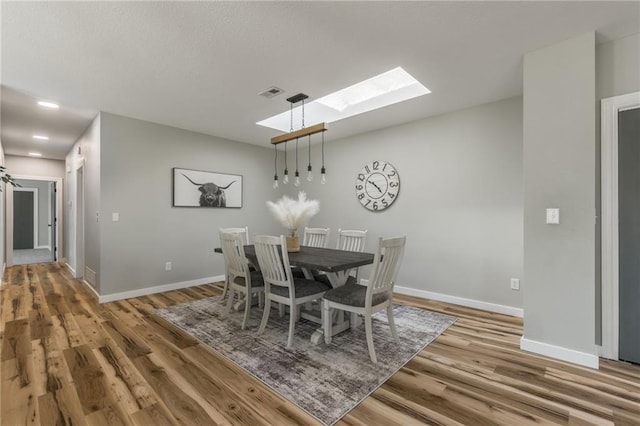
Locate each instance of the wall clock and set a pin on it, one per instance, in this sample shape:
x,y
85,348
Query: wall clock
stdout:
x,y
377,185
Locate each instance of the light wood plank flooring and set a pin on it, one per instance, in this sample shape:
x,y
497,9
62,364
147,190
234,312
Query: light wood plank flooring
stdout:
x,y
67,360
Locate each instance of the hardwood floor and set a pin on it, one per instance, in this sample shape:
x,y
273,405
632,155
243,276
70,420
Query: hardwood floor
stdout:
x,y
67,360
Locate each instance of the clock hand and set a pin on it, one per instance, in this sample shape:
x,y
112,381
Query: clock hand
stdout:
x,y
374,184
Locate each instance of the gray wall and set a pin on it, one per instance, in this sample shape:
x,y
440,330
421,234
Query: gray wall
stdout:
x,y
559,171
136,181
44,207
460,202
85,153
28,166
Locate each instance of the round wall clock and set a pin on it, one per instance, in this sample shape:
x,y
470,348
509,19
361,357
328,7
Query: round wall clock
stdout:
x,y
377,185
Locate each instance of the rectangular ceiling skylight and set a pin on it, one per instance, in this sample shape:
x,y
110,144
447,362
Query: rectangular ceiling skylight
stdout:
x,y
385,89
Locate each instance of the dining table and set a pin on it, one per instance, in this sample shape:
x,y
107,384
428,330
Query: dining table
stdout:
x,y
335,264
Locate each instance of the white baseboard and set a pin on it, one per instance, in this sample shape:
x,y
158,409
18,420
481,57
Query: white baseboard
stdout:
x,y
558,352
43,247
90,287
73,271
157,289
470,303
4,266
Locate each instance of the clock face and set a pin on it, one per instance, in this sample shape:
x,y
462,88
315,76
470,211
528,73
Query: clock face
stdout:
x,y
377,185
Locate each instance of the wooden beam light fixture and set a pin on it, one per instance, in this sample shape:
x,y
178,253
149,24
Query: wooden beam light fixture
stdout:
x,y
296,135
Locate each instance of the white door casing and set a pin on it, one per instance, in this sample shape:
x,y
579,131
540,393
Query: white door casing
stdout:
x,y
609,218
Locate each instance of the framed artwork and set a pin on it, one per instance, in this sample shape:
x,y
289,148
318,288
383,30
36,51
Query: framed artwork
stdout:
x,y
197,188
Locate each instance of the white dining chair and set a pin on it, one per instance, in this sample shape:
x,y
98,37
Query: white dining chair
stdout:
x,y
279,284
316,237
367,299
351,240
244,232
241,279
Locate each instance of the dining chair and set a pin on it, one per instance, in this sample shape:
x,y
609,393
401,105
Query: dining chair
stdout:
x,y
367,299
244,232
316,237
351,240
279,284
241,279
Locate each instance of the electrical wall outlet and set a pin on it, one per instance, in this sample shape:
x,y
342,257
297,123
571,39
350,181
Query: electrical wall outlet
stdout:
x,y
515,284
167,266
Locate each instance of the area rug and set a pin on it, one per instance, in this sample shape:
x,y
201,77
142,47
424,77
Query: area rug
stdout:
x,y
326,381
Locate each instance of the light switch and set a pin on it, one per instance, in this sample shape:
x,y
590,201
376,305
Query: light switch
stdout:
x,y
115,217
553,216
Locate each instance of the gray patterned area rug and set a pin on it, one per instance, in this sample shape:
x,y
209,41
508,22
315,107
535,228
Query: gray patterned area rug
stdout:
x,y
325,381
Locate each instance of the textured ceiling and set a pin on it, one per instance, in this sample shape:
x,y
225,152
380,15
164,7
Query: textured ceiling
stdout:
x,y
201,65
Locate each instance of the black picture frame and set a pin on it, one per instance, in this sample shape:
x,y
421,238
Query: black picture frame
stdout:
x,y
199,188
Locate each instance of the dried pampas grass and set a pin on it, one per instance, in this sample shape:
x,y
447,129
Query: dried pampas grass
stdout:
x,y
292,214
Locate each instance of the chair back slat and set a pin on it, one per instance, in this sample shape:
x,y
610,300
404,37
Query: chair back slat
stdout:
x,y
273,260
244,232
316,237
233,253
386,265
351,240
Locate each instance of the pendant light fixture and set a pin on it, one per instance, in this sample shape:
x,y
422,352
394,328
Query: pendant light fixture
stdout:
x,y
318,128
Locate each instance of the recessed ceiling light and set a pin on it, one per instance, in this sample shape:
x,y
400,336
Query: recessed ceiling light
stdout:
x,y
47,104
41,137
385,89
35,154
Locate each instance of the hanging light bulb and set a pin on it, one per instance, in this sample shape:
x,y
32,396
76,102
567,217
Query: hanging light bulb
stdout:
x,y
275,176
323,171
297,181
310,174
285,180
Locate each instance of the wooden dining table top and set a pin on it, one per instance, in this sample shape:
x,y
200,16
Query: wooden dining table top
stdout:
x,y
321,259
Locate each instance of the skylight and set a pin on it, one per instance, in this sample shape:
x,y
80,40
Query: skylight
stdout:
x,y
35,154
41,137
385,89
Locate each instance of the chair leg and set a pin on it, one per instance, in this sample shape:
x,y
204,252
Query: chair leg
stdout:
x,y
229,302
226,285
327,321
247,308
392,323
265,315
353,321
369,329
281,309
261,299
292,325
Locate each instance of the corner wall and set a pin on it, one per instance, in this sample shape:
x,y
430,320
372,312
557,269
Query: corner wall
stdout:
x,y
460,201
136,182
559,171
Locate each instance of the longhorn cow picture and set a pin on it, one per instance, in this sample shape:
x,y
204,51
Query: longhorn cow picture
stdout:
x,y
195,188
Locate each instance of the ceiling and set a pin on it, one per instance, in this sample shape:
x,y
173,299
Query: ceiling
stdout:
x,y
200,65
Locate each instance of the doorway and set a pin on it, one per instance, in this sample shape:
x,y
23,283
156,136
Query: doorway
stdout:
x,y
32,220
620,228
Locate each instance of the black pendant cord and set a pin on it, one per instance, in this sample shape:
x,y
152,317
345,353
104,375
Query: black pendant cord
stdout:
x,y
297,174
323,171
309,177
297,181
275,167
286,168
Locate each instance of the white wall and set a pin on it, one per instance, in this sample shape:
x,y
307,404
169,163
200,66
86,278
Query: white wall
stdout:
x,y
559,171
136,182
460,202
